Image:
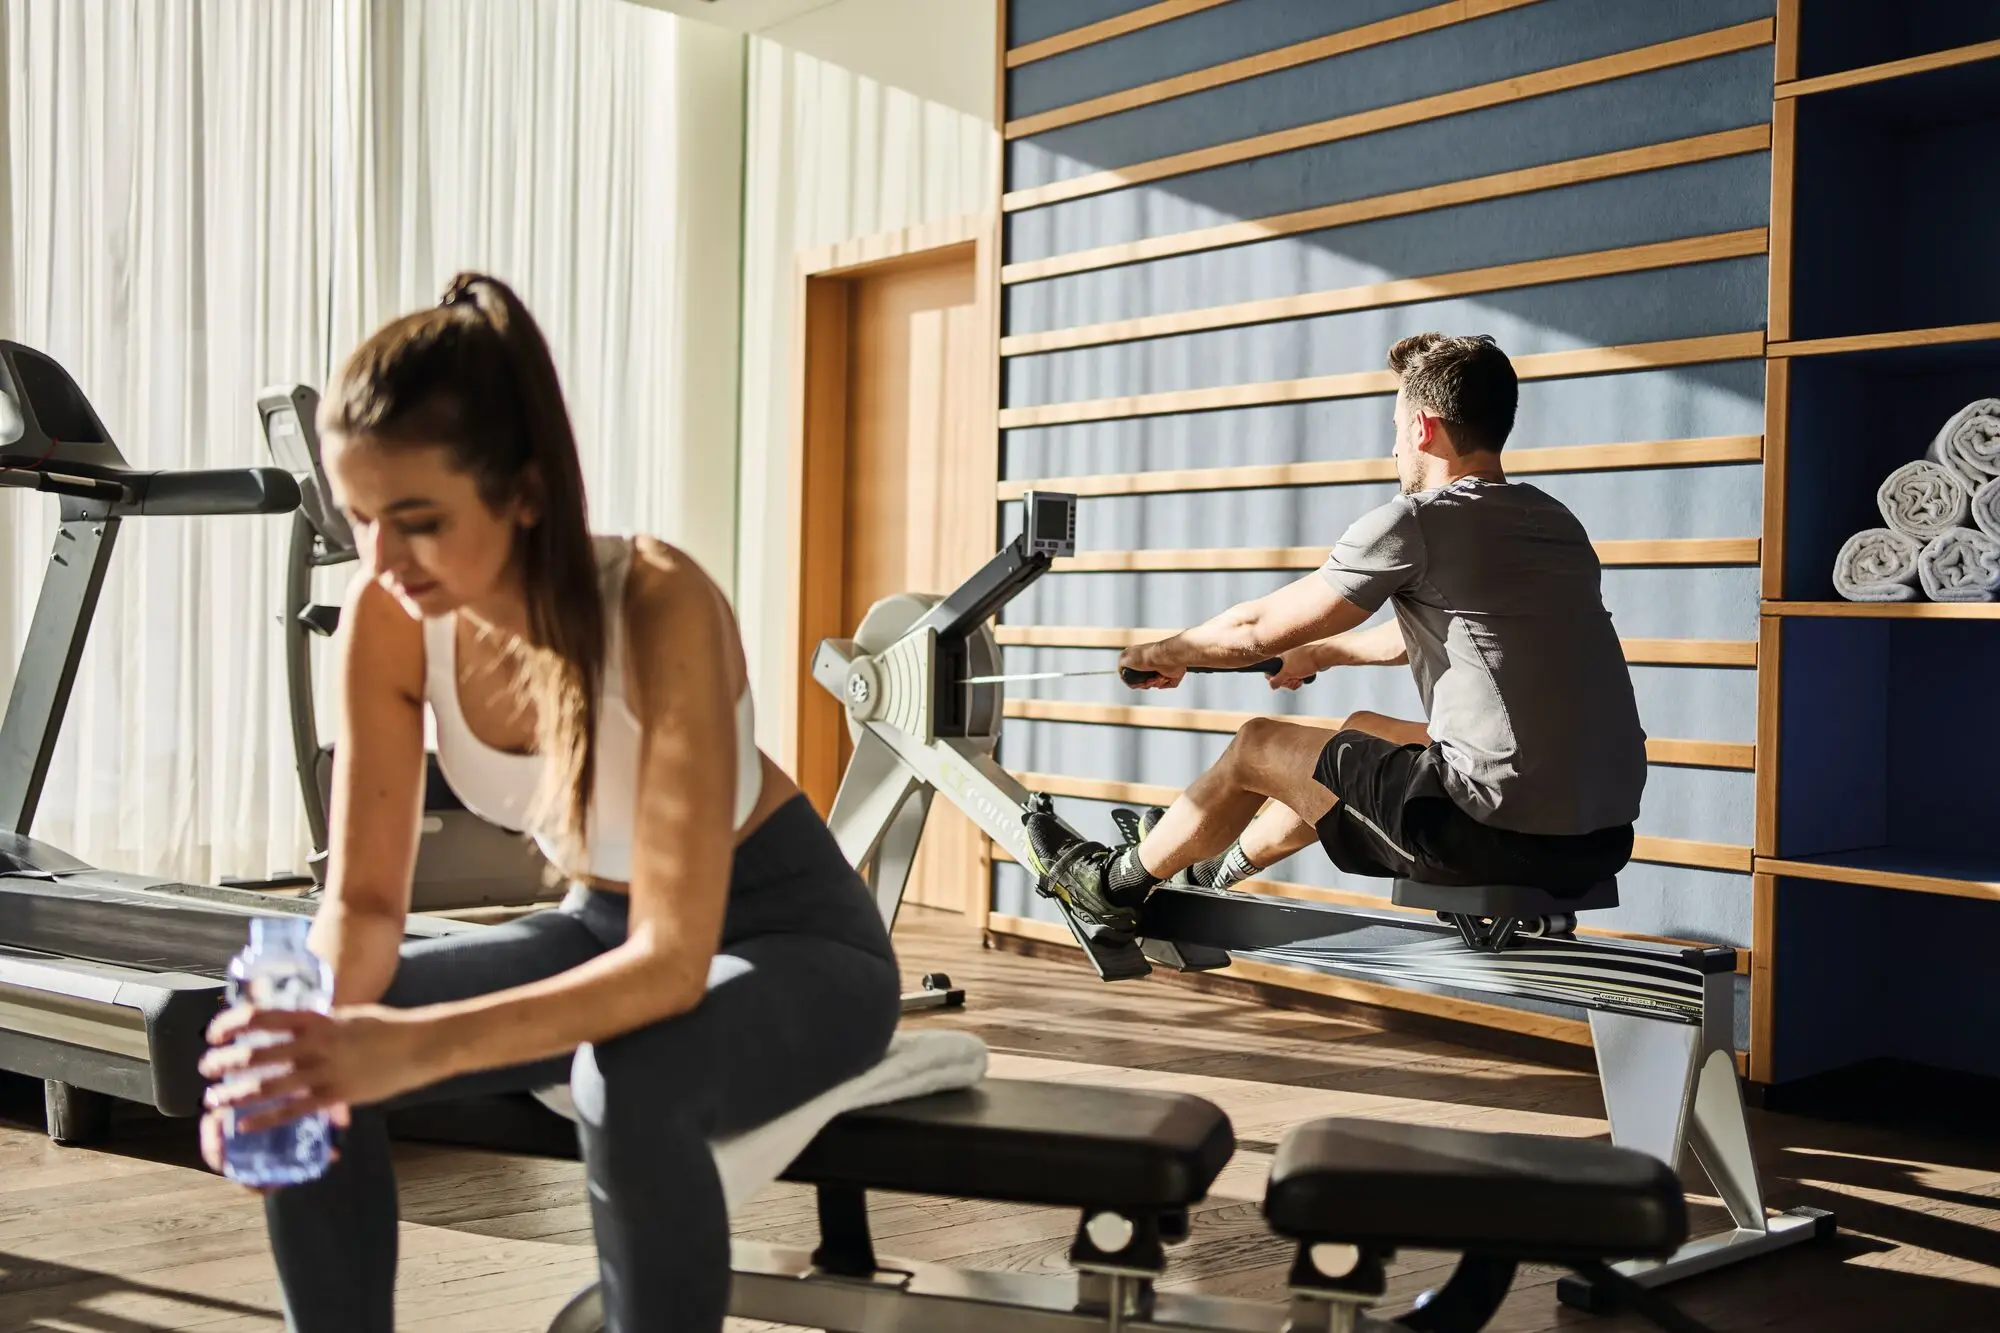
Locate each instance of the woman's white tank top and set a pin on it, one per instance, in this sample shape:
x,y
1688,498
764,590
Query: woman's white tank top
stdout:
x,y
499,786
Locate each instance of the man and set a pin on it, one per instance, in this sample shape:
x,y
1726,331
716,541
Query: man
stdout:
x,y
1530,768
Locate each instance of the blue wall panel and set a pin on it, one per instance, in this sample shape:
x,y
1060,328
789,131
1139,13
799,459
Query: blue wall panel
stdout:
x,y
1710,95
1645,602
1691,301
1032,20
1726,296
1707,805
1500,46
1680,702
1643,503
1698,199
1199,41
1677,403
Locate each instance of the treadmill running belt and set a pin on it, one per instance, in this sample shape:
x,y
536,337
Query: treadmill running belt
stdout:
x,y
136,930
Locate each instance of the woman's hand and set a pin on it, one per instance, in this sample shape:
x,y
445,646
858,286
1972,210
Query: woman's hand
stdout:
x,y
1140,657
1298,664
356,1055
212,1140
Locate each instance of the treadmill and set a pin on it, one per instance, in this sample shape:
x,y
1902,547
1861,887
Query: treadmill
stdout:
x,y
107,980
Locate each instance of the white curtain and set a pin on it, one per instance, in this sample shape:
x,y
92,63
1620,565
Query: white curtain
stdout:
x,y
208,196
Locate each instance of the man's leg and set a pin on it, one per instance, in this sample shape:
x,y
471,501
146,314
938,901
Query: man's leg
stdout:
x,y
1269,759
1276,833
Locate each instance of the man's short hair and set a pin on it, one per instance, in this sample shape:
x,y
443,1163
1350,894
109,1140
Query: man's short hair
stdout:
x,y
1467,383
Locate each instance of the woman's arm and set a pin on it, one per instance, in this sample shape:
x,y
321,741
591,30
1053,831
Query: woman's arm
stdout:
x,y
377,798
685,672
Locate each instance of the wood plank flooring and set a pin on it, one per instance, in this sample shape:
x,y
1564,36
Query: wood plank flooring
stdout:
x,y
139,1237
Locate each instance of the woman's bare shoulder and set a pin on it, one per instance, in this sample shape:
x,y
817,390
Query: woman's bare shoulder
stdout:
x,y
384,642
663,577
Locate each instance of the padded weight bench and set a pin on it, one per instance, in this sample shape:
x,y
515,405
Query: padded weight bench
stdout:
x,y
1132,1162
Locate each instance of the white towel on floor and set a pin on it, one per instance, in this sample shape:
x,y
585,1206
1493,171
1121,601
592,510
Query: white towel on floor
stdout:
x,y
1986,507
1923,498
1877,565
1962,565
1969,443
917,1063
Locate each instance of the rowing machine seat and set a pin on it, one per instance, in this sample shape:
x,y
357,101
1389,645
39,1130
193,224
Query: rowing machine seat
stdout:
x,y
1025,1142
1384,1186
1501,900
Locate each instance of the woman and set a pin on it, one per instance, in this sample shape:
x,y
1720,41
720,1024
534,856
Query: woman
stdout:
x,y
717,961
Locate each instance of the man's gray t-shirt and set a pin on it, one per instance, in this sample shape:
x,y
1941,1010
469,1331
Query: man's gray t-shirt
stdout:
x,y
1496,587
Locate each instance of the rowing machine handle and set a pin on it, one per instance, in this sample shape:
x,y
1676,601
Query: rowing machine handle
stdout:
x,y
1270,666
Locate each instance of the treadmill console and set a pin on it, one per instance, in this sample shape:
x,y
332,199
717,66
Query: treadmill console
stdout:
x,y
1049,528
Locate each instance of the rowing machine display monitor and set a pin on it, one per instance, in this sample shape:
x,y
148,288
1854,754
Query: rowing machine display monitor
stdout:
x,y
1662,1017
462,861
1050,524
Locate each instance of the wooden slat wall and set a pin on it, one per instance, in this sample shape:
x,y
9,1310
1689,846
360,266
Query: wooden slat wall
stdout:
x,y
1218,216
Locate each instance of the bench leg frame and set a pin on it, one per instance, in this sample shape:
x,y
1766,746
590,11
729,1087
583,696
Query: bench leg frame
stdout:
x,y
780,1285
1671,1088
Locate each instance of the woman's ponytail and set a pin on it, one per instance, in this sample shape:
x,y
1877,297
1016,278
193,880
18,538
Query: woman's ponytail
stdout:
x,y
475,374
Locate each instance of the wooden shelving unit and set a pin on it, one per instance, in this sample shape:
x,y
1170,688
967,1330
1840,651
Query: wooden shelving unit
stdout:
x,y
1873,808
1915,871
1889,69
1887,610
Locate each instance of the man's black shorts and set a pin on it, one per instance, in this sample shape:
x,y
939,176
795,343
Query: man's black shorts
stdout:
x,y
1396,821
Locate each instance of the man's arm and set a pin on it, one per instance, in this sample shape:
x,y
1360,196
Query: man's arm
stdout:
x,y
1380,645
1300,612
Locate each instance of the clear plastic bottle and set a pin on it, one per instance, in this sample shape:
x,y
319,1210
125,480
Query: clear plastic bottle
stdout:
x,y
277,971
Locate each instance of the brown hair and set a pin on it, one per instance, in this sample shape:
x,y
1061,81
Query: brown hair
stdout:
x,y
474,374
1467,383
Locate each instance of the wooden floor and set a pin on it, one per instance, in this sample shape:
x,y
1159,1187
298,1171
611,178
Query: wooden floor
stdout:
x,y
140,1237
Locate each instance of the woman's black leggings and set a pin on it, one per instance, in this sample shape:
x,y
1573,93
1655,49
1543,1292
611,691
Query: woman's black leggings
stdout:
x,y
789,1014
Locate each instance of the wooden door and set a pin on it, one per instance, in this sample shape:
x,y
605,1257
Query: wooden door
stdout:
x,y
898,480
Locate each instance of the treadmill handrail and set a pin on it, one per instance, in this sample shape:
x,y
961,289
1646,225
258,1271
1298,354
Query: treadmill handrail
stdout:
x,y
196,492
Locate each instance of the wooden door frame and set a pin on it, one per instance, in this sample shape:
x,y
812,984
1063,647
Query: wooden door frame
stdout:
x,y
822,283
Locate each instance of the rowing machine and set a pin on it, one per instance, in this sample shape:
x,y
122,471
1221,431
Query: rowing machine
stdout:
x,y
1662,1017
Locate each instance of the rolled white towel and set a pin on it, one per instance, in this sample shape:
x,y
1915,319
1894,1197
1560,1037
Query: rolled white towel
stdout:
x,y
1923,498
1962,565
916,1064
1986,507
1877,565
1969,443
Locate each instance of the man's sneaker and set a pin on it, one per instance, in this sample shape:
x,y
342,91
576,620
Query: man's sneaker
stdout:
x,y
1073,870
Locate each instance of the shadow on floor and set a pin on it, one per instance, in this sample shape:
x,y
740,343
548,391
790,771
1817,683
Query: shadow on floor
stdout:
x,y
35,1293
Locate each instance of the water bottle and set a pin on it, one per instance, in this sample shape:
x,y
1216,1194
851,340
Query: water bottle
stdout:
x,y
277,971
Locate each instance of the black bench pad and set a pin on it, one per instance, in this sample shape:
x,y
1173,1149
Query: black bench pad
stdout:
x,y
1496,900
1520,1196
1027,1142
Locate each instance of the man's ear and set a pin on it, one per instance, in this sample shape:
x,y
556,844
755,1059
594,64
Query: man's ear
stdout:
x,y
1428,432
